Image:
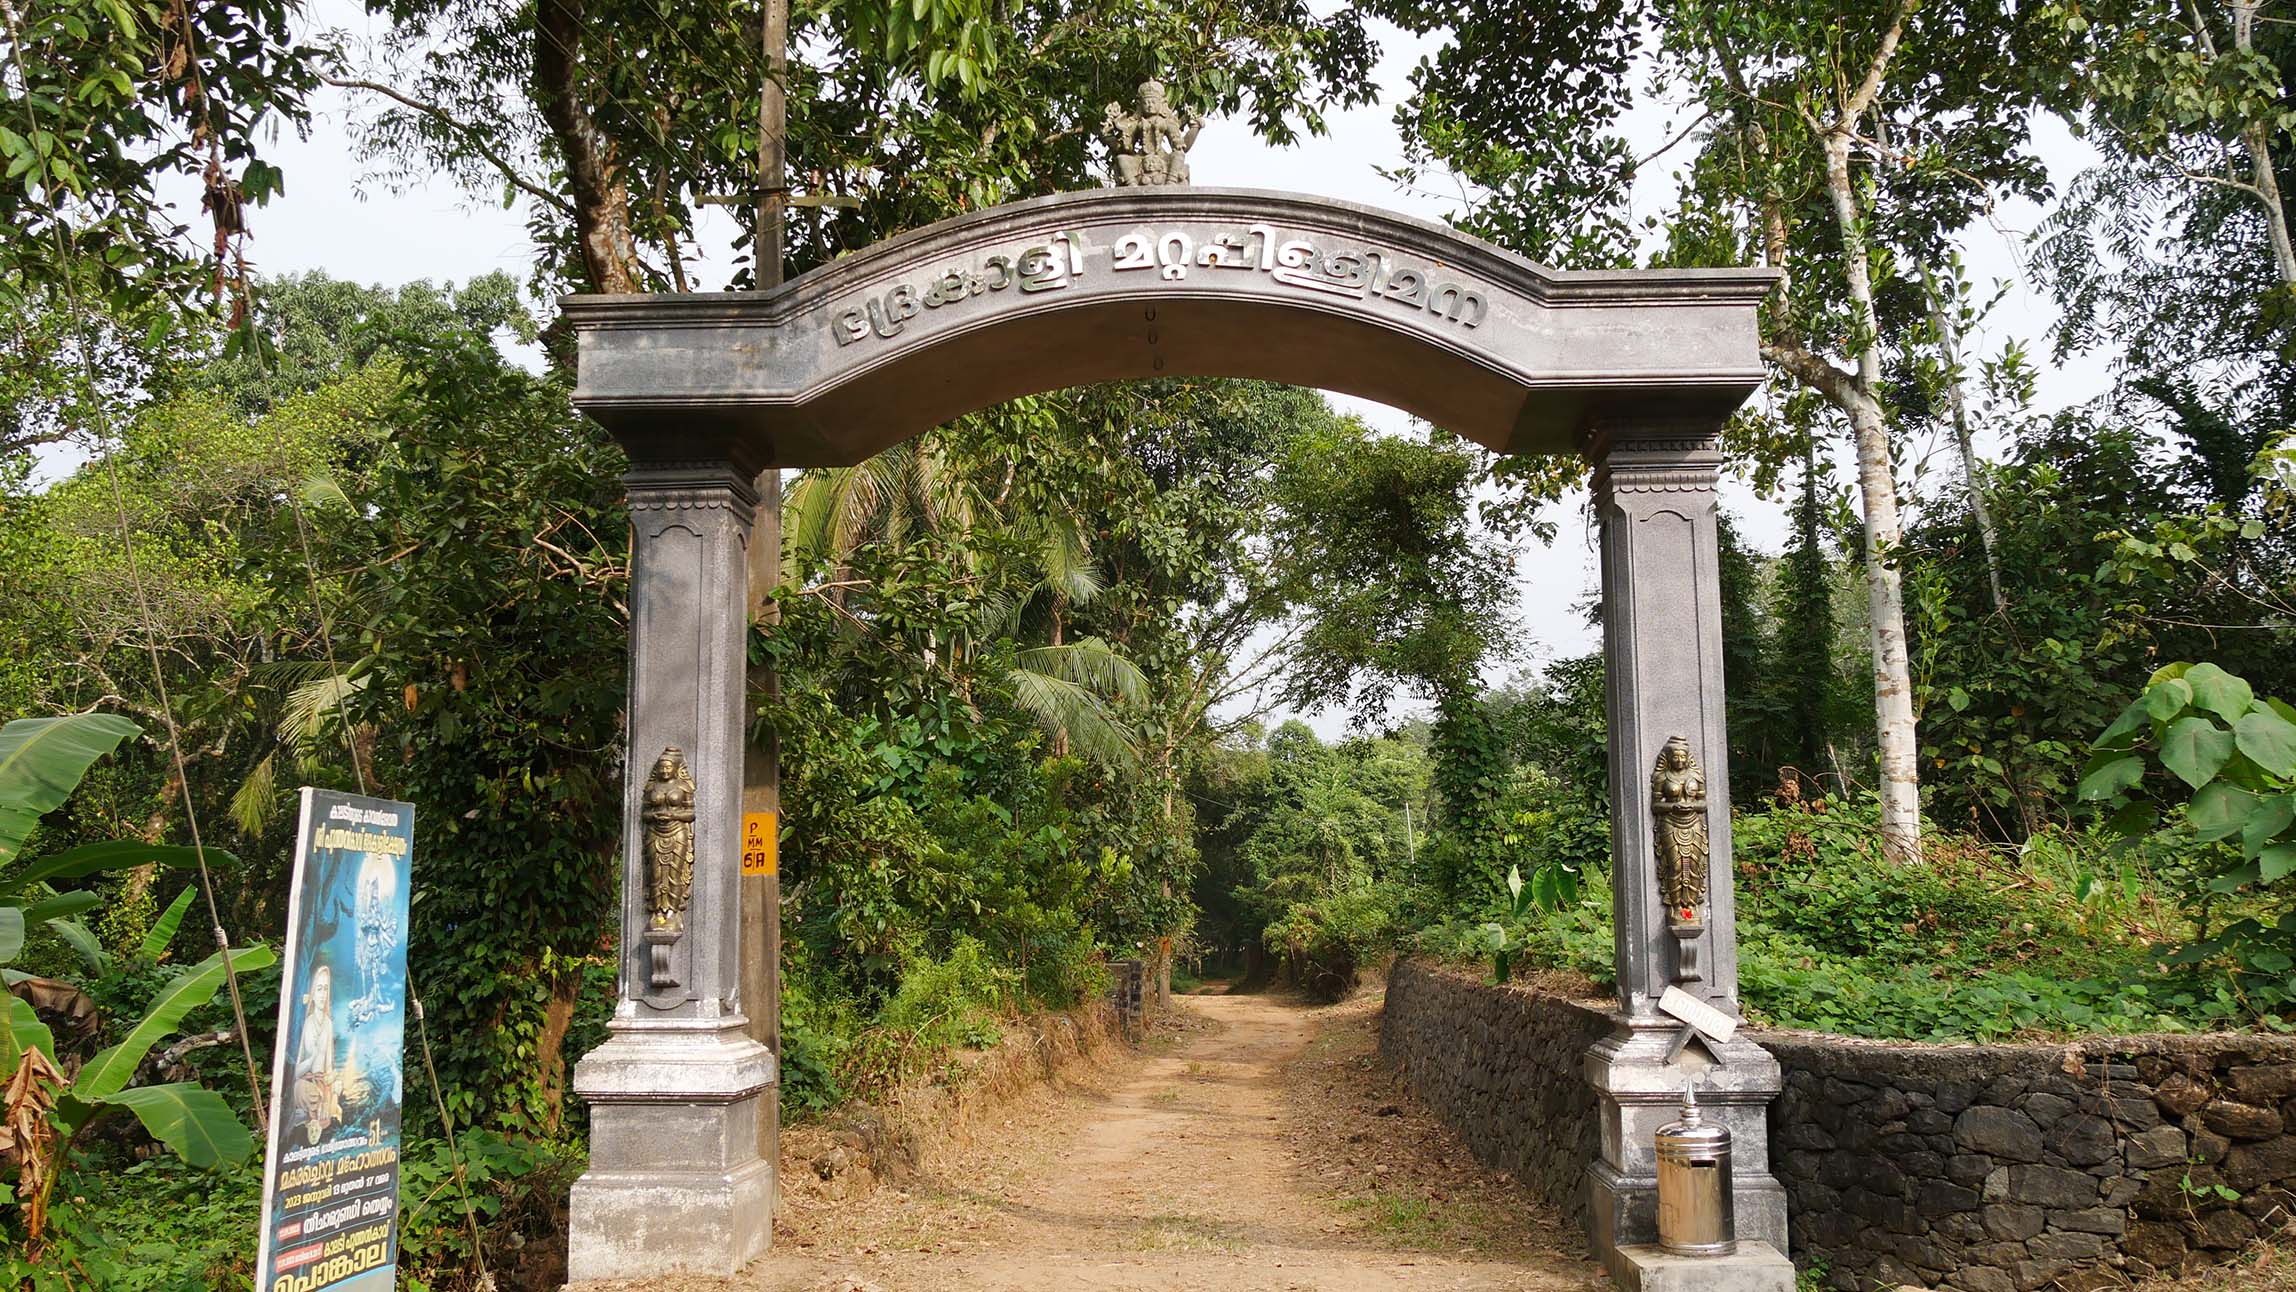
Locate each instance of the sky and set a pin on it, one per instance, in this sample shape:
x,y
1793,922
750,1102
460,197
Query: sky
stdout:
x,y
338,217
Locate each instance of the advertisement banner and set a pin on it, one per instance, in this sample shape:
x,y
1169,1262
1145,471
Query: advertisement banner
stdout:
x,y
331,1177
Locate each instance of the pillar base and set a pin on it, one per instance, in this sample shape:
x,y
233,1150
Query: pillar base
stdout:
x,y
1640,1092
680,1111
1755,1267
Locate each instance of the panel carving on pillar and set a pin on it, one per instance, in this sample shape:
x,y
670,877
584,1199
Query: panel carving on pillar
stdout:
x,y
669,825
1678,804
690,528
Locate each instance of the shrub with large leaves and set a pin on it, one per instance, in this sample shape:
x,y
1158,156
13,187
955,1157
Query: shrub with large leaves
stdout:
x,y
2208,734
42,1110
2234,751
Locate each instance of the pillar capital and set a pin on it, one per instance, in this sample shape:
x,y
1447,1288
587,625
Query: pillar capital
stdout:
x,y
1656,456
699,485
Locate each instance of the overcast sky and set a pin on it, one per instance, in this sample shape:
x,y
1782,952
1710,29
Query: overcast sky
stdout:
x,y
336,218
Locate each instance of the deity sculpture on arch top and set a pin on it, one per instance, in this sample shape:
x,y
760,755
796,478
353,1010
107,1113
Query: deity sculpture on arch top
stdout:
x,y
1151,145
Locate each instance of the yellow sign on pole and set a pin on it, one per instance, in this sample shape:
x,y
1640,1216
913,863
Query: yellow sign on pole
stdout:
x,y
760,843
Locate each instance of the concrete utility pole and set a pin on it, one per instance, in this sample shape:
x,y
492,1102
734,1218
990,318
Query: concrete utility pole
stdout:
x,y
770,247
761,762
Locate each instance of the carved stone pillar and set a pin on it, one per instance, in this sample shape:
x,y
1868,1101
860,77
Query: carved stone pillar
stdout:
x,y
680,1096
1654,497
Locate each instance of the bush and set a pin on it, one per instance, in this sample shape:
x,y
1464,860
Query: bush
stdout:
x,y
1325,942
517,1196
957,1001
2069,933
155,1226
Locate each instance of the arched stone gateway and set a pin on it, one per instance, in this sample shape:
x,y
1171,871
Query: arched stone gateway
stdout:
x,y
1119,283
1635,369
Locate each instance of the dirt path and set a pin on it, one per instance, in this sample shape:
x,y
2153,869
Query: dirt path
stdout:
x,y
1256,1146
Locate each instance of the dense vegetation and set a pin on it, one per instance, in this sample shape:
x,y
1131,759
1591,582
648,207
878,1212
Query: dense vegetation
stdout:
x,y
2011,752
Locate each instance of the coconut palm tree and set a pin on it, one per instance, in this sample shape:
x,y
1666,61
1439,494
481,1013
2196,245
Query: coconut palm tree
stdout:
x,y
1073,689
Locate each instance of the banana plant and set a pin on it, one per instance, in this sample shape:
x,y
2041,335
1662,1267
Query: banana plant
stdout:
x,y
42,1113
41,762
42,1110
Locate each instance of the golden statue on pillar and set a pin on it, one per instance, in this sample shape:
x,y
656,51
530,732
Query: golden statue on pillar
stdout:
x,y
1678,812
666,808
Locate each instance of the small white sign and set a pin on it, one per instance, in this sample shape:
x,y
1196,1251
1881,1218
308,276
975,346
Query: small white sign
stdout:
x,y
1710,1022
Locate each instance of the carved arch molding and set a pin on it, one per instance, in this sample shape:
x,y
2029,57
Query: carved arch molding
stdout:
x,y
1112,284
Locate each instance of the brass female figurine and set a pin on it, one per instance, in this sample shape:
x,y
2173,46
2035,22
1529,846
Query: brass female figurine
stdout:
x,y
1678,801
667,810
1678,811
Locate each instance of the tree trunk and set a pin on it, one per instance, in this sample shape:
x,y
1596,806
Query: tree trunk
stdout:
x,y
2268,195
1941,313
1894,733
2257,139
601,192
772,241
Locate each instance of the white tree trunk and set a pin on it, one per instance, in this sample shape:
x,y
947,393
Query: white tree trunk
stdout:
x,y
1894,733
2256,139
1942,312
2268,196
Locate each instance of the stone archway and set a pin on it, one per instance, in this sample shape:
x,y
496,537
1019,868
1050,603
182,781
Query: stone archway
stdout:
x,y
1637,370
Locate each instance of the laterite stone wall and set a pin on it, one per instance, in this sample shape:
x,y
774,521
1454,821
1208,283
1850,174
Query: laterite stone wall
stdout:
x,y
1503,1068
1997,1168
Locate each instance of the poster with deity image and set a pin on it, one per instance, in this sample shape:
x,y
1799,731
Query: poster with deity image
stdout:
x,y
331,1176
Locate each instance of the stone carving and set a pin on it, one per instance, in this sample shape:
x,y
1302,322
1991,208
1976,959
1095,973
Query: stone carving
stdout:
x,y
1151,145
1057,261
667,811
1678,811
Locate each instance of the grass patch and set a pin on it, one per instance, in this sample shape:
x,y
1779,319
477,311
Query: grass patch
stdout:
x,y
1184,1234
2270,1266
1410,1219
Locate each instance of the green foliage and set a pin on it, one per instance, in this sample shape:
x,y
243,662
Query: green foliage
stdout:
x,y
484,655
194,1122
108,108
1471,782
1972,943
2106,568
1551,888
42,761
316,330
515,1191
51,1103
152,1226
1398,584
956,1001
907,112
1314,851
2234,755
1327,940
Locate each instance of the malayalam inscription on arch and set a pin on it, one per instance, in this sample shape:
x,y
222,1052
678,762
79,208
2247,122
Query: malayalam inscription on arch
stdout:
x,y
1373,277
1118,284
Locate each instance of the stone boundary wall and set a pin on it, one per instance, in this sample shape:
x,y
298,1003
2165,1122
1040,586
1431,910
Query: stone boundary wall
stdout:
x,y
1983,1168
1502,1067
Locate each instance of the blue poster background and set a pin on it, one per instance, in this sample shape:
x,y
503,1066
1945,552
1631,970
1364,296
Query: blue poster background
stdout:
x,y
331,1178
